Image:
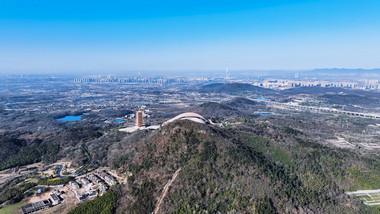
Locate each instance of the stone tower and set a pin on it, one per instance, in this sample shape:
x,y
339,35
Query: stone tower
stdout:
x,y
139,119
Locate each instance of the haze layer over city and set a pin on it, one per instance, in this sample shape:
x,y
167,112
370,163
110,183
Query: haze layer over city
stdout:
x,y
111,107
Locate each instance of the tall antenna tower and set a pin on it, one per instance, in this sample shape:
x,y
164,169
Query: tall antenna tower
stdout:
x,y
226,77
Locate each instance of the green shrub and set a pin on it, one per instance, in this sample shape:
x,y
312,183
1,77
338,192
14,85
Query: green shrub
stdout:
x,y
105,204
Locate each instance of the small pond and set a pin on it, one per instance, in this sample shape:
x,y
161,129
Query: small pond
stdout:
x,y
70,118
264,113
261,99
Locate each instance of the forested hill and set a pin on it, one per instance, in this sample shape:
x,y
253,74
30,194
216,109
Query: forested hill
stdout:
x,y
250,168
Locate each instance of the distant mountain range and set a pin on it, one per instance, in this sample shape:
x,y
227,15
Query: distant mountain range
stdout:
x,y
340,71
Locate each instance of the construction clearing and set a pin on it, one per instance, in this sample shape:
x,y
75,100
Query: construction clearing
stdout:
x,y
369,197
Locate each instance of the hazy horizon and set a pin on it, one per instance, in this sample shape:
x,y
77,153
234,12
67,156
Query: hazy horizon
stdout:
x,y
375,72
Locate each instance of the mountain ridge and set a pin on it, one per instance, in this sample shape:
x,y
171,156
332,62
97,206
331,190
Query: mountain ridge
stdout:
x,y
223,172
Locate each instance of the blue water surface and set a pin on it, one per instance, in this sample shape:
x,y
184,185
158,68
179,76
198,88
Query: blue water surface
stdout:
x,y
261,99
118,120
265,114
70,118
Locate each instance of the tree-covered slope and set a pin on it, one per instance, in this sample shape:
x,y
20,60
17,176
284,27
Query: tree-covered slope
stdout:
x,y
251,168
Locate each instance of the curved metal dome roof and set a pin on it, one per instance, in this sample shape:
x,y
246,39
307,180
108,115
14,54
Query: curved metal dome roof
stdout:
x,y
187,115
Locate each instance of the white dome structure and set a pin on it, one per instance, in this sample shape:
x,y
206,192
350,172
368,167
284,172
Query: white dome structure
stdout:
x,y
188,116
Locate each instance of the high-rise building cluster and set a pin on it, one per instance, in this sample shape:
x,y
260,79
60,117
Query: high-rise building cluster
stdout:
x,y
285,84
134,79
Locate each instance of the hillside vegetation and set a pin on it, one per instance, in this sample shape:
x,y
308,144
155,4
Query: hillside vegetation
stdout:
x,y
245,169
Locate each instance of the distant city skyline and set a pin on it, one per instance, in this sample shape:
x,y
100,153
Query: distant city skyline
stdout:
x,y
121,36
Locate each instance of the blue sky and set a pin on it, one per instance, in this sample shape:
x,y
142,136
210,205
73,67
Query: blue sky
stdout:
x,y
115,36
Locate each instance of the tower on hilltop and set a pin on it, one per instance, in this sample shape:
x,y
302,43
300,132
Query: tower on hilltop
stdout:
x,y
139,119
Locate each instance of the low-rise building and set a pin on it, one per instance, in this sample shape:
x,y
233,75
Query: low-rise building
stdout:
x,y
94,178
34,207
57,192
74,185
55,199
103,187
102,173
85,181
92,194
110,180
107,177
82,197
